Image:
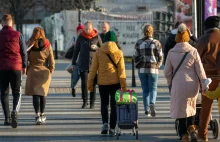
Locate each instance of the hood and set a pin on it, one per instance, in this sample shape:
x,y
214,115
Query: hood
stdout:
x,y
174,31
41,45
109,47
90,35
182,47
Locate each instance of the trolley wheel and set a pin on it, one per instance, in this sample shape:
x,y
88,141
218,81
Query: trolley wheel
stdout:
x,y
177,127
136,134
215,130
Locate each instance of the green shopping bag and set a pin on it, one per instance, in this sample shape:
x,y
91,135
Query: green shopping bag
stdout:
x,y
128,97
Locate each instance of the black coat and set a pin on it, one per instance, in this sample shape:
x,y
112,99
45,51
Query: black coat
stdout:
x,y
83,52
170,43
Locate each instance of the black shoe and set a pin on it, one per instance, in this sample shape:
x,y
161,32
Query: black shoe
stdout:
x,y
147,113
14,123
7,122
92,105
73,92
152,110
85,103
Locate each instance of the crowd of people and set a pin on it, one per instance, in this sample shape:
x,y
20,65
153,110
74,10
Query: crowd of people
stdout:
x,y
98,60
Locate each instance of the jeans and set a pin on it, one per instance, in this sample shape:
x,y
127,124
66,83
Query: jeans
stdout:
x,y
149,87
84,80
75,77
106,91
12,77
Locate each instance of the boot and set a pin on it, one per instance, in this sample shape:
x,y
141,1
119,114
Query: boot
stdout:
x,y
85,103
92,105
192,132
73,92
185,138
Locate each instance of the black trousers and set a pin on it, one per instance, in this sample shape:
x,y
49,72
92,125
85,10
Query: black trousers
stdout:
x,y
106,91
39,103
84,87
184,123
12,77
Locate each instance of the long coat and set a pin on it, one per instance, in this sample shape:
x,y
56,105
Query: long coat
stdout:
x,y
185,84
41,66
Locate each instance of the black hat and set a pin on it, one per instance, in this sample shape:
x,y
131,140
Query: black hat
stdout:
x,y
212,22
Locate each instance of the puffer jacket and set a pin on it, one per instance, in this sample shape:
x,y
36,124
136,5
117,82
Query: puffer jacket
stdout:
x,y
107,73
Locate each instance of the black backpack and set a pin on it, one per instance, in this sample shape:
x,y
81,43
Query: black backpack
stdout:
x,y
69,53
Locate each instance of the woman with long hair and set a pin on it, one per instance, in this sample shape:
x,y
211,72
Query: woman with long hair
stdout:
x,y
40,68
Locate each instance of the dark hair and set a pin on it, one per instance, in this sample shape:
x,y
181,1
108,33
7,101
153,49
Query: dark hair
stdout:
x,y
178,23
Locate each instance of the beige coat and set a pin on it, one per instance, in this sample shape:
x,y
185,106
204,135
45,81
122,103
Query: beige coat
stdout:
x,y
185,84
41,66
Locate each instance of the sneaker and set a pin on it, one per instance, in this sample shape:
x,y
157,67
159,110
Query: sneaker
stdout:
x,y
38,120
104,129
7,121
92,105
14,123
73,92
147,113
112,132
43,118
152,110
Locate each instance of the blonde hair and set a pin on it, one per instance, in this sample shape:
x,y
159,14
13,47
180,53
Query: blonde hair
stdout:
x,y
38,33
148,31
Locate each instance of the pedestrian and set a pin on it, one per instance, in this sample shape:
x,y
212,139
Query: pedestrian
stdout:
x,y
105,29
149,50
108,61
40,68
13,57
208,47
184,71
170,42
75,74
86,45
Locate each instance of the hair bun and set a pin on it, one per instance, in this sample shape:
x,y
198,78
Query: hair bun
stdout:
x,y
182,28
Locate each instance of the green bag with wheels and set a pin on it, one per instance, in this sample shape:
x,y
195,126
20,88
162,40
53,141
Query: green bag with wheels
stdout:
x,y
128,97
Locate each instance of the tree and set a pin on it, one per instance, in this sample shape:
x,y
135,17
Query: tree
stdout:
x,y
19,8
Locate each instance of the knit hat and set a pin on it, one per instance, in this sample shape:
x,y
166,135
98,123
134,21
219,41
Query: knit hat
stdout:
x,y
148,31
183,34
80,27
110,36
212,22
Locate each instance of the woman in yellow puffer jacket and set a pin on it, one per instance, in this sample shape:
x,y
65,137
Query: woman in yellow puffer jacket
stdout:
x,y
109,63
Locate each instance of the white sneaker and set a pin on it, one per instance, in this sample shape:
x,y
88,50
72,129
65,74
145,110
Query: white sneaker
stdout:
x,y
43,118
38,120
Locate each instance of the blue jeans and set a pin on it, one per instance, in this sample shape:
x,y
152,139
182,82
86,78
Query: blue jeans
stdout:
x,y
75,77
149,87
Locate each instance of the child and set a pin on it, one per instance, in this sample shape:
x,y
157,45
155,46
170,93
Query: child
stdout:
x,y
214,95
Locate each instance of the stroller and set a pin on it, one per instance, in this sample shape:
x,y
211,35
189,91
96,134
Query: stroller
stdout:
x,y
213,124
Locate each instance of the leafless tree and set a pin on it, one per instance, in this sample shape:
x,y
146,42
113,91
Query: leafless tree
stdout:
x,y
19,8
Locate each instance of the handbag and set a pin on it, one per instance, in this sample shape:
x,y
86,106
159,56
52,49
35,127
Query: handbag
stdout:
x,y
177,70
69,53
139,61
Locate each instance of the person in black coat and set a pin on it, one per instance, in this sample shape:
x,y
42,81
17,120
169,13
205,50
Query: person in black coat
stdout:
x,y
170,42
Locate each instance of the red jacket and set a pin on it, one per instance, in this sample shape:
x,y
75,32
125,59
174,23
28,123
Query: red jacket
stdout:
x,y
12,50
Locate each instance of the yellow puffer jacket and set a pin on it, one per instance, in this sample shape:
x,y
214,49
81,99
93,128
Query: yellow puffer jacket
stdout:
x,y
214,95
107,73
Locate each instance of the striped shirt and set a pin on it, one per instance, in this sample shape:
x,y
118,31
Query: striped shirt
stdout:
x,y
151,51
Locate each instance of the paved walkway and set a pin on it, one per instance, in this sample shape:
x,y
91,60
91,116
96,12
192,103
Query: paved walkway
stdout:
x,y
67,122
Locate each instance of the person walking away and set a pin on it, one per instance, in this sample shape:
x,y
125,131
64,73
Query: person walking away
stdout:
x,y
13,57
208,47
40,68
184,72
108,61
86,45
75,74
171,42
151,51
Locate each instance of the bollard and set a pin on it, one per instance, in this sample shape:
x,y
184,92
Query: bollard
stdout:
x,y
133,74
56,54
